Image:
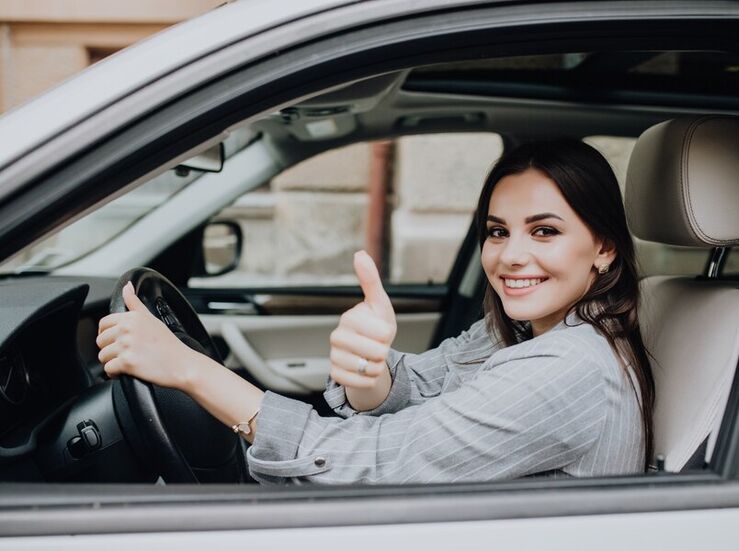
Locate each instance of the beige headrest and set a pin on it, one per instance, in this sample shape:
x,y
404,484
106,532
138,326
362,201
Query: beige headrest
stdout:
x,y
682,186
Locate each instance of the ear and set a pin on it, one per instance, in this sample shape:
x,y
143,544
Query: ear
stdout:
x,y
606,253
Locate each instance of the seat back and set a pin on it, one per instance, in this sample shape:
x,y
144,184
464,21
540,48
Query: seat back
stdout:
x,y
682,188
691,329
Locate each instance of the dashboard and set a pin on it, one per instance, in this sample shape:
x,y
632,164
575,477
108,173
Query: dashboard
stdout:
x,y
59,420
39,368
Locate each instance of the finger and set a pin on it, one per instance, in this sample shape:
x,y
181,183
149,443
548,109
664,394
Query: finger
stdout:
x,y
133,303
107,337
113,368
110,320
350,362
367,323
108,353
351,380
374,292
359,345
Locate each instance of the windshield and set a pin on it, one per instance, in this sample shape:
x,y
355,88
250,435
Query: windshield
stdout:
x,y
98,227
104,224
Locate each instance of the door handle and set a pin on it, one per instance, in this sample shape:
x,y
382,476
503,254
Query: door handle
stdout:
x,y
243,308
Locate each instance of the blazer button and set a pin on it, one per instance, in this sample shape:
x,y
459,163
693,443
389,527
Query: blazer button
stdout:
x,y
319,461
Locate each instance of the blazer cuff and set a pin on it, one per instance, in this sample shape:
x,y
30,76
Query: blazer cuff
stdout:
x,y
273,456
397,398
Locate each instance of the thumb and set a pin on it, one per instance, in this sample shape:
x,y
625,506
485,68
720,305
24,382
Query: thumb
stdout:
x,y
374,293
133,303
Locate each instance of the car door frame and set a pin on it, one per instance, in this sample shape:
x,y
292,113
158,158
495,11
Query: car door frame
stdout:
x,y
168,133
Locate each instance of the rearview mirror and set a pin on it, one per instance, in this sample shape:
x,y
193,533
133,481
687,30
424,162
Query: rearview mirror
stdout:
x,y
210,160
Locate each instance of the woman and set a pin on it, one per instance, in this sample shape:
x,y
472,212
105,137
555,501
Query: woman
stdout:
x,y
553,381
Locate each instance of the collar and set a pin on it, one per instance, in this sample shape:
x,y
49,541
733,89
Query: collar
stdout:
x,y
571,320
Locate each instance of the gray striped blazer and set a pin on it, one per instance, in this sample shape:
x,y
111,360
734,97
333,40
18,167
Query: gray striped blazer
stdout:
x,y
468,410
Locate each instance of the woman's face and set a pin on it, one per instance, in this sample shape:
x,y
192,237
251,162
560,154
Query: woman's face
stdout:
x,y
539,256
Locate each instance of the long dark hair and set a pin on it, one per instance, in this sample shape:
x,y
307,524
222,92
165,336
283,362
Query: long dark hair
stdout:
x,y
589,186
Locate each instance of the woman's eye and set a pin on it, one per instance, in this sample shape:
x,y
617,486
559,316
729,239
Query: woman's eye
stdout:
x,y
545,231
497,232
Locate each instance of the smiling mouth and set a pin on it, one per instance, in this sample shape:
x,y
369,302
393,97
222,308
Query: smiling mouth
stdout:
x,y
522,283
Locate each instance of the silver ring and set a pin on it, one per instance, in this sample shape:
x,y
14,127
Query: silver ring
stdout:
x,y
362,366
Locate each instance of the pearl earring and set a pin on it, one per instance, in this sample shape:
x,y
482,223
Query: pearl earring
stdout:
x,y
603,268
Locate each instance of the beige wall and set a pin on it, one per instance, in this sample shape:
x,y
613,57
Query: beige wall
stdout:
x,y
43,42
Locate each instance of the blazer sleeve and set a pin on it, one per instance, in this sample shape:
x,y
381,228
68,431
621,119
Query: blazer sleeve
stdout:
x,y
417,377
521,415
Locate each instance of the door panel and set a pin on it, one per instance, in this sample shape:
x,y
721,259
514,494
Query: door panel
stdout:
x,y
290,353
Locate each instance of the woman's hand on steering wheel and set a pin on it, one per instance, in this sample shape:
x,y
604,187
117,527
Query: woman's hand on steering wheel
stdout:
x,y
137,343
360,343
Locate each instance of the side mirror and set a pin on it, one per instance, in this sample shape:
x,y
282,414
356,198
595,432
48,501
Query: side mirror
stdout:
x,y
210,160
221,248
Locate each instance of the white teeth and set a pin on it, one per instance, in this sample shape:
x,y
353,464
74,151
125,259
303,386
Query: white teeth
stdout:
x,y
519,283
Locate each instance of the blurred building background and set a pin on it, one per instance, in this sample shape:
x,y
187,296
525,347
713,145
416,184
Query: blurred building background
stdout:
x,y
43,42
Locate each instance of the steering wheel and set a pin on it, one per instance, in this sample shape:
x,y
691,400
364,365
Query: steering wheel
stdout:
x,y
181,440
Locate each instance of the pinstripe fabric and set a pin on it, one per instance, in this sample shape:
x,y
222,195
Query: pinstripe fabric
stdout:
x,y
468,410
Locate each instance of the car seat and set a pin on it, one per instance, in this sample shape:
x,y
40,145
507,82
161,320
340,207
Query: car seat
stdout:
x,y
682,188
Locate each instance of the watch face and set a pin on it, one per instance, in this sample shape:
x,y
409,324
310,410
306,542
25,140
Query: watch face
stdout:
x,y
14,378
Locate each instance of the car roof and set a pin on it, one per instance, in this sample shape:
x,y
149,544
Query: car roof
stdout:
x,y
133,68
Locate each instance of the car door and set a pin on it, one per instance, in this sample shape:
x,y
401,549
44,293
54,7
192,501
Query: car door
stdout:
x,y
672,509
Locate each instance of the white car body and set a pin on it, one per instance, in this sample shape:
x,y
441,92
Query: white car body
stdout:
x,y
669,511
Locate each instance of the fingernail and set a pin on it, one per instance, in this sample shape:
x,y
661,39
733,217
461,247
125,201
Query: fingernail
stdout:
x,y
129,285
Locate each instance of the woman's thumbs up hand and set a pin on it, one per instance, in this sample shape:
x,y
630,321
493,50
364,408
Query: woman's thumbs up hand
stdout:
x,y
360,343
374,293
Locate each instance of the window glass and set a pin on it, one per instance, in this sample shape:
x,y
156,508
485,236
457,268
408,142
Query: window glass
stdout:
x,y
408,202
652,258
104,224
100,226
638,76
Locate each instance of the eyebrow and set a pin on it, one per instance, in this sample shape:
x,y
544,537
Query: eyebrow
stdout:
x,y
529,219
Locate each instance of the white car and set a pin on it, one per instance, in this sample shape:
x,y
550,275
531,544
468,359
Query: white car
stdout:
x,y
161,155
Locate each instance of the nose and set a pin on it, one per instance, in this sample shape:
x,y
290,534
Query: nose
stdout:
x,y
515,251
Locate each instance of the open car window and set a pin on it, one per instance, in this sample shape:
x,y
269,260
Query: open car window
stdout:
x,y
408,199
